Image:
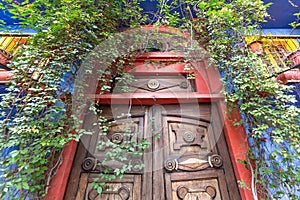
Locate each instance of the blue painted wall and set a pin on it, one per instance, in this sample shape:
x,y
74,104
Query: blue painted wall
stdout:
x,y
281,14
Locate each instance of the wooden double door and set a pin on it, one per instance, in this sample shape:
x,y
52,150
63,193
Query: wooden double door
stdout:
x,y
187,158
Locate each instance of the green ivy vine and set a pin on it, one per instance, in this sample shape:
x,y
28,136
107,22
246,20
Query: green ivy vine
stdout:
x,y
37,122
36,119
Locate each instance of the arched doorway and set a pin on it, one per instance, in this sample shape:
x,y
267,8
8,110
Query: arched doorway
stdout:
x,y
188,157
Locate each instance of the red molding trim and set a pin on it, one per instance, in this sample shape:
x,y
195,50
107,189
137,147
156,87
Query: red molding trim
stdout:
x,y
58,184
290,76
5,76
238,146
155,98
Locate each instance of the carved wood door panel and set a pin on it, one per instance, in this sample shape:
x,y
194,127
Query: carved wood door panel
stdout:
x,y
90,156
187,159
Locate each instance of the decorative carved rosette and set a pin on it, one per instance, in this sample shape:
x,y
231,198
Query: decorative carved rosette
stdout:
x,y
184,85
117,138
215,160
89,164
153,84
171,165
189,136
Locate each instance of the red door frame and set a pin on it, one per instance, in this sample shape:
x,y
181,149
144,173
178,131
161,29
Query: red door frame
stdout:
x,y
207,81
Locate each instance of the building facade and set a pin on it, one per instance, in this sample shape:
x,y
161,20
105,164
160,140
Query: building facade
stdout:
x,y
196,154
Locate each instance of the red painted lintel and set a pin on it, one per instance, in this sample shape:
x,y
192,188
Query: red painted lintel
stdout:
x,y
156,98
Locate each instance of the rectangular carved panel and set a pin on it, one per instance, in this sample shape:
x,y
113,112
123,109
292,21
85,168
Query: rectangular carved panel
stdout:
x,y
204,185
127,188
205,189
186,136
120,132
142,84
